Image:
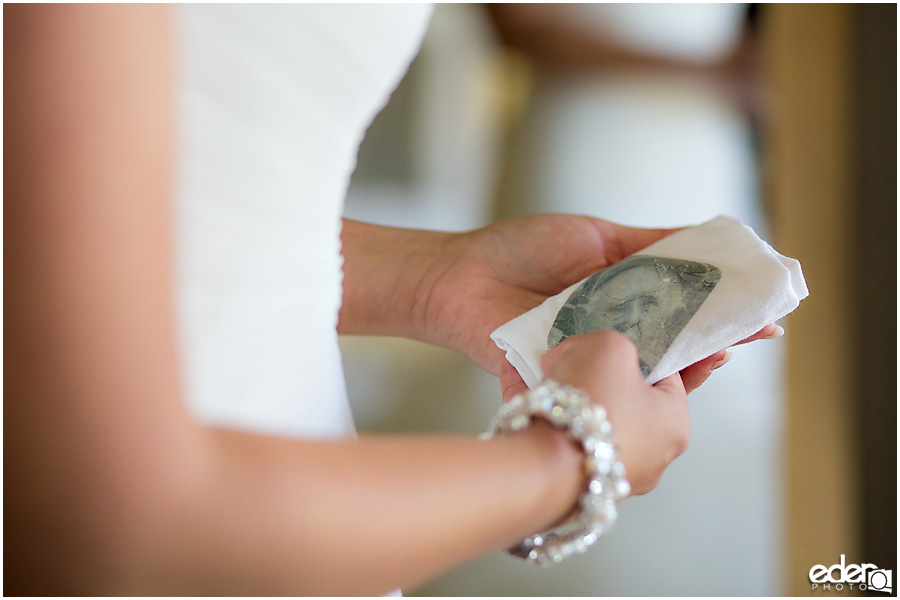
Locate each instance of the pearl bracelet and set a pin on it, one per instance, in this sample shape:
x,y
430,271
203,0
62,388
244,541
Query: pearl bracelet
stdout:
x,y
566,407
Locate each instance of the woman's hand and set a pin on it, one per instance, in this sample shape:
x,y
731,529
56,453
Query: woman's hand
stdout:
x,y
494,274
453,290
650,423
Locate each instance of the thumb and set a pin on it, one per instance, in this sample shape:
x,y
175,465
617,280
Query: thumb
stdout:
x,y
511,383
672,385
623,241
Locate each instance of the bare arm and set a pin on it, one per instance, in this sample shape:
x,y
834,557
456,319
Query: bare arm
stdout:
x,y
544,34
540,31
388,272
110,486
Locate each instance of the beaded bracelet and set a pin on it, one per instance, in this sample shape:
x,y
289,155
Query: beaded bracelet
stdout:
x,y
566,407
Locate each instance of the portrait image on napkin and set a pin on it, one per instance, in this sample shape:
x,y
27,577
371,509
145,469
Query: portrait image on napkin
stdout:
x,y
648,298
679,300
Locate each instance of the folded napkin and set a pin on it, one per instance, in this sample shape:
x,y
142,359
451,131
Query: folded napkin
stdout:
x,y
680,300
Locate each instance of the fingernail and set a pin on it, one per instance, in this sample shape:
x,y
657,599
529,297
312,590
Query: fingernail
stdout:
x,y
721,363
779,331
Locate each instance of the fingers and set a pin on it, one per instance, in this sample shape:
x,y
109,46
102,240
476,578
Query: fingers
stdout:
x,y
695,375
511,383
602,358
769,332
691,378
650,423
673,384
660,437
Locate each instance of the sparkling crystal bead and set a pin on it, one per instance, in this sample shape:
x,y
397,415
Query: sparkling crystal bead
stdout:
x,y
557,415
604,450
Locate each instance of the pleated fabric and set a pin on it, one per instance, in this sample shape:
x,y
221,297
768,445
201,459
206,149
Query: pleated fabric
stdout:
x,y
273,101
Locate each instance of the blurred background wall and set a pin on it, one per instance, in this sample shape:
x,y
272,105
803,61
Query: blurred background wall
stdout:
x,y
664,115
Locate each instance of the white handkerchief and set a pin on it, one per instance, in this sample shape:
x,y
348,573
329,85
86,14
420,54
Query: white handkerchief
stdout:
x,y
680,300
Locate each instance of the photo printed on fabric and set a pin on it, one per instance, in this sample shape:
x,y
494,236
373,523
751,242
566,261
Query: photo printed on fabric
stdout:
x,y
648,298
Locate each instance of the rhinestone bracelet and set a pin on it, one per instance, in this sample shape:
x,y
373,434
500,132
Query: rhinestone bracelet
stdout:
x,y
568,408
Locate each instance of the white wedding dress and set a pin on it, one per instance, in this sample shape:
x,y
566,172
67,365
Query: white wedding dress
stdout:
x,y
273,101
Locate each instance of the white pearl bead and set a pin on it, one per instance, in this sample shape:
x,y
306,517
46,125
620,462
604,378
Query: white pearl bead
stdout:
x,y
605,427
519,422
603,467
